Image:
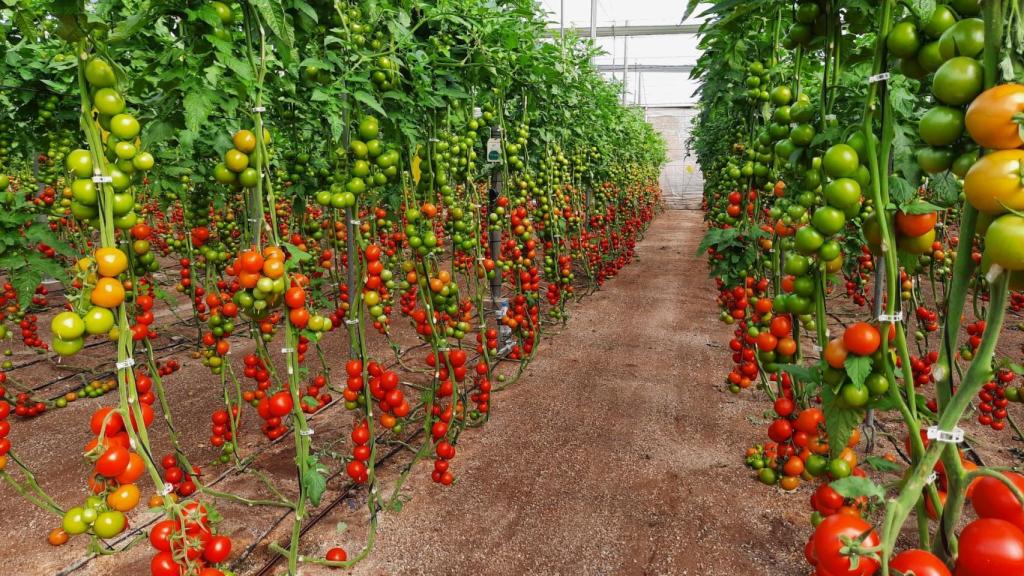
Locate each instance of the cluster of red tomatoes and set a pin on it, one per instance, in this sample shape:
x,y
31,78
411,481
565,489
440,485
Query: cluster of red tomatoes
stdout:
x,y
188,544
175,474
361,452
5,428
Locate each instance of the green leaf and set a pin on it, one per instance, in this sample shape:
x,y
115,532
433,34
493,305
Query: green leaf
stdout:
x,y
920,207
273,15
198,106
945,189
858,368
840,420
801,373
882,465
369,100
900,191
25,282
855,487
923,9
314,482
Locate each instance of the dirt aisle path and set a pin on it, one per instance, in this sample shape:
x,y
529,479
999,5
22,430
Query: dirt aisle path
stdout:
x,y
617,452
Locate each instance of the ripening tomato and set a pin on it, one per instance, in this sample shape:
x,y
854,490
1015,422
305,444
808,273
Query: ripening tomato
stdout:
x,y
835,353
244,141
281,404
108,293
111,261
124,497
994,182
862,339
990,118
914,225
809,420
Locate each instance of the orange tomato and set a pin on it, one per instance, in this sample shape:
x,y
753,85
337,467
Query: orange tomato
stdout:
x,y
835,353
915,225
57,537
793,467
111,261
786,347
124,498
299,317
273,252
990,117
248,279
273,268
809,420
789,483
108,293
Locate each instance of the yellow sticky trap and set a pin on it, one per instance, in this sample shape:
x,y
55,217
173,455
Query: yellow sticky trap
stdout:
x,y
416,169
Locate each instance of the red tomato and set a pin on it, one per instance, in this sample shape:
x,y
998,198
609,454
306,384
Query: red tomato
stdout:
x,y
827,545
919,562
990,546
992,499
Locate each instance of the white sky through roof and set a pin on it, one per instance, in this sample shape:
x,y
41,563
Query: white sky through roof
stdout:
x,y
644,88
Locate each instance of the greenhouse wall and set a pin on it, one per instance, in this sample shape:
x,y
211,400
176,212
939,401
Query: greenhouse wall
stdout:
x,y
681,179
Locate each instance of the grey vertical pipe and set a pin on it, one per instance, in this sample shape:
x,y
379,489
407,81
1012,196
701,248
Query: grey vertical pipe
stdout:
x,y
561,19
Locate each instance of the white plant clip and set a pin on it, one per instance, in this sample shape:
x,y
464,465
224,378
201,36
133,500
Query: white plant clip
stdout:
x,y
830,117
351,321
355,222
931,478
954,436
167,489
258,109
128,363
878,78
897,317
287,350
306,432
103,179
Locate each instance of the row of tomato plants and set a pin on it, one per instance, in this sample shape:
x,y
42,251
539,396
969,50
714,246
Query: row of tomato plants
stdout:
x,y
864,185
301,169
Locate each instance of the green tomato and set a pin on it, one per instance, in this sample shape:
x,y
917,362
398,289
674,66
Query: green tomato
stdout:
x,y
79,163
930,57
782,95
965,38
935,160
84,191
99,74
877,384
964,162
842,193
829,251
802,134
109,524
72,523
840,161
942,19
941,126
249,177
958,81
67,326
808,240
123,203
108,101
1004,242
816,465
143,161
368,128
124,126
839,468
828,220
855,395
903,40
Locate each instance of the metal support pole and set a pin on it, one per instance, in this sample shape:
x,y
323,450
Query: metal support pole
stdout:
x,y
625,65
561,19
494,242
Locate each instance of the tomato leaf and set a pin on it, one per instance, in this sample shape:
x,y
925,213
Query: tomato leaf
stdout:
x,y
314,481
900,191
945,189
882,465
858,368
919,207
923,9
855,487
369,100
